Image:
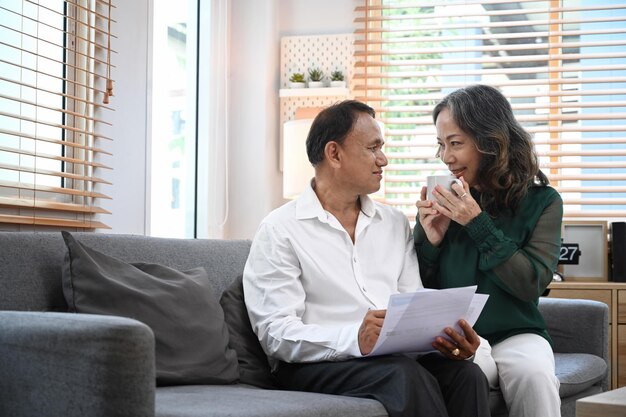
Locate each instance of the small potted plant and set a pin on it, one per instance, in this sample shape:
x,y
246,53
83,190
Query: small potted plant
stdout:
x,y
297,80
316,76
337,79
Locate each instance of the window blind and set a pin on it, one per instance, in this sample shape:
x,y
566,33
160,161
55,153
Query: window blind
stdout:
x,y
55,84
561,64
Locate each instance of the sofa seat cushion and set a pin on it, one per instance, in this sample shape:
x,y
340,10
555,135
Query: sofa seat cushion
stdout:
x,y
187,320
578,371
246,401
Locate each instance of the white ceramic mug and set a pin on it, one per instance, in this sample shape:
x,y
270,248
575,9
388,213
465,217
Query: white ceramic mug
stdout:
x,y
445,181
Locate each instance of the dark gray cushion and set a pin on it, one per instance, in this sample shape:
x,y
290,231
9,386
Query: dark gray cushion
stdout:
x,y
188,323
578,371
253,366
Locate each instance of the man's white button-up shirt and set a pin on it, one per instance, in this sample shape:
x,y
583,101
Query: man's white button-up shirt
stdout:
x,y
308,287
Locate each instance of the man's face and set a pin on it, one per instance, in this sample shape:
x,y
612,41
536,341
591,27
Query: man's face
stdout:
x,y
363,157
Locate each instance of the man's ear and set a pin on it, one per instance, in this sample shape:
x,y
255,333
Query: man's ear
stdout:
x,y
332,154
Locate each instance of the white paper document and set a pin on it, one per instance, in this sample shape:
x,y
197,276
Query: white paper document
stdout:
x,y
414,320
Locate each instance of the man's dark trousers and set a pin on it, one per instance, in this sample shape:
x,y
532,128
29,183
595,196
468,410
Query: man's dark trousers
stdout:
x,y
431,386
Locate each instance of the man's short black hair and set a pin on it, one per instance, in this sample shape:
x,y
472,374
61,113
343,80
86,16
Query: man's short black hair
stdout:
x,y
333,124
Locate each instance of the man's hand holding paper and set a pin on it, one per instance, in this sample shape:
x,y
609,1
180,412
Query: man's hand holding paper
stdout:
x,y
369,331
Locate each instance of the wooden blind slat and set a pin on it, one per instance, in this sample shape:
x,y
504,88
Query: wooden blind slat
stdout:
x,y
419,73
465,3
516,83
594,214
55,141
427,120
503,60
47,188
488,36
74,67
56,93
491,25
490,48
592,189
48,205
51,221
55,109
42,171
60,126
584,165
512,95
69,66
487,13
379,6
54,157
48,74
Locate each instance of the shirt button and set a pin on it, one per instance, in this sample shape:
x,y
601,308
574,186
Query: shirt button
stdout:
x,y
364,290
354,259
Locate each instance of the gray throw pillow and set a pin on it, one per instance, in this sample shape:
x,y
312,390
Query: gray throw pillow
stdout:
x,y
188,323
253,366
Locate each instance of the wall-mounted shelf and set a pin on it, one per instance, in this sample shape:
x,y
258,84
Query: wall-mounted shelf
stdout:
x,y
313,92
299,54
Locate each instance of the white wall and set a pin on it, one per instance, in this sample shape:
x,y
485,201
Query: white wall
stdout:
x,y
320,17
255,185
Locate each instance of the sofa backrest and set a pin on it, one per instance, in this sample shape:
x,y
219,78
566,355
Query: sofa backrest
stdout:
x,y
31,263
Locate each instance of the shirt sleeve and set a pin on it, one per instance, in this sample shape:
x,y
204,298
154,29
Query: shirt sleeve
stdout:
x,y
525,271
275,299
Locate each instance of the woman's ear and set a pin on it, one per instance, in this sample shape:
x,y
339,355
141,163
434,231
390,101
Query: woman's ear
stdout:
x,y
332,154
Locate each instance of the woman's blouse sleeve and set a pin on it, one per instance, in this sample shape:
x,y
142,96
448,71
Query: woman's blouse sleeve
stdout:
x,y
427,256
526,271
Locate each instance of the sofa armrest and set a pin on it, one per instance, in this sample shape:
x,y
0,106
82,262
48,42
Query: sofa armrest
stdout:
x,y
577,326
75,365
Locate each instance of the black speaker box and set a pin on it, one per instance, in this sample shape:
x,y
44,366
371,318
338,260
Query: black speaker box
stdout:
x,y
618,251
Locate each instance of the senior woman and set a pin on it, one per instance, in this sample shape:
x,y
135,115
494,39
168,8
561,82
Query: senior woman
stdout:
x,y
500,231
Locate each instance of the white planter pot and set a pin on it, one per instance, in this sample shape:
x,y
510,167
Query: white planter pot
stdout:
x,y
316,84
296,85
340,84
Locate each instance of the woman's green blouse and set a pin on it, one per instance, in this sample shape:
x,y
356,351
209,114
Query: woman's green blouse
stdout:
x,y
511,257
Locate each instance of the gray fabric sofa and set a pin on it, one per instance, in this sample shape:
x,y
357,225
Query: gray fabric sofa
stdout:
x,y
54,363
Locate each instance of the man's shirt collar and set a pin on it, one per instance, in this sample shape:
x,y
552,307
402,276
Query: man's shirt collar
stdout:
x,y
309,206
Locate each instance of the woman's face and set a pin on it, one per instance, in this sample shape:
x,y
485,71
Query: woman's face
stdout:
x,y
457,149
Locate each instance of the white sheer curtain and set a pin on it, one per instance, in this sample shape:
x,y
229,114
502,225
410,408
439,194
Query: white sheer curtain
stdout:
x,y
213,134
